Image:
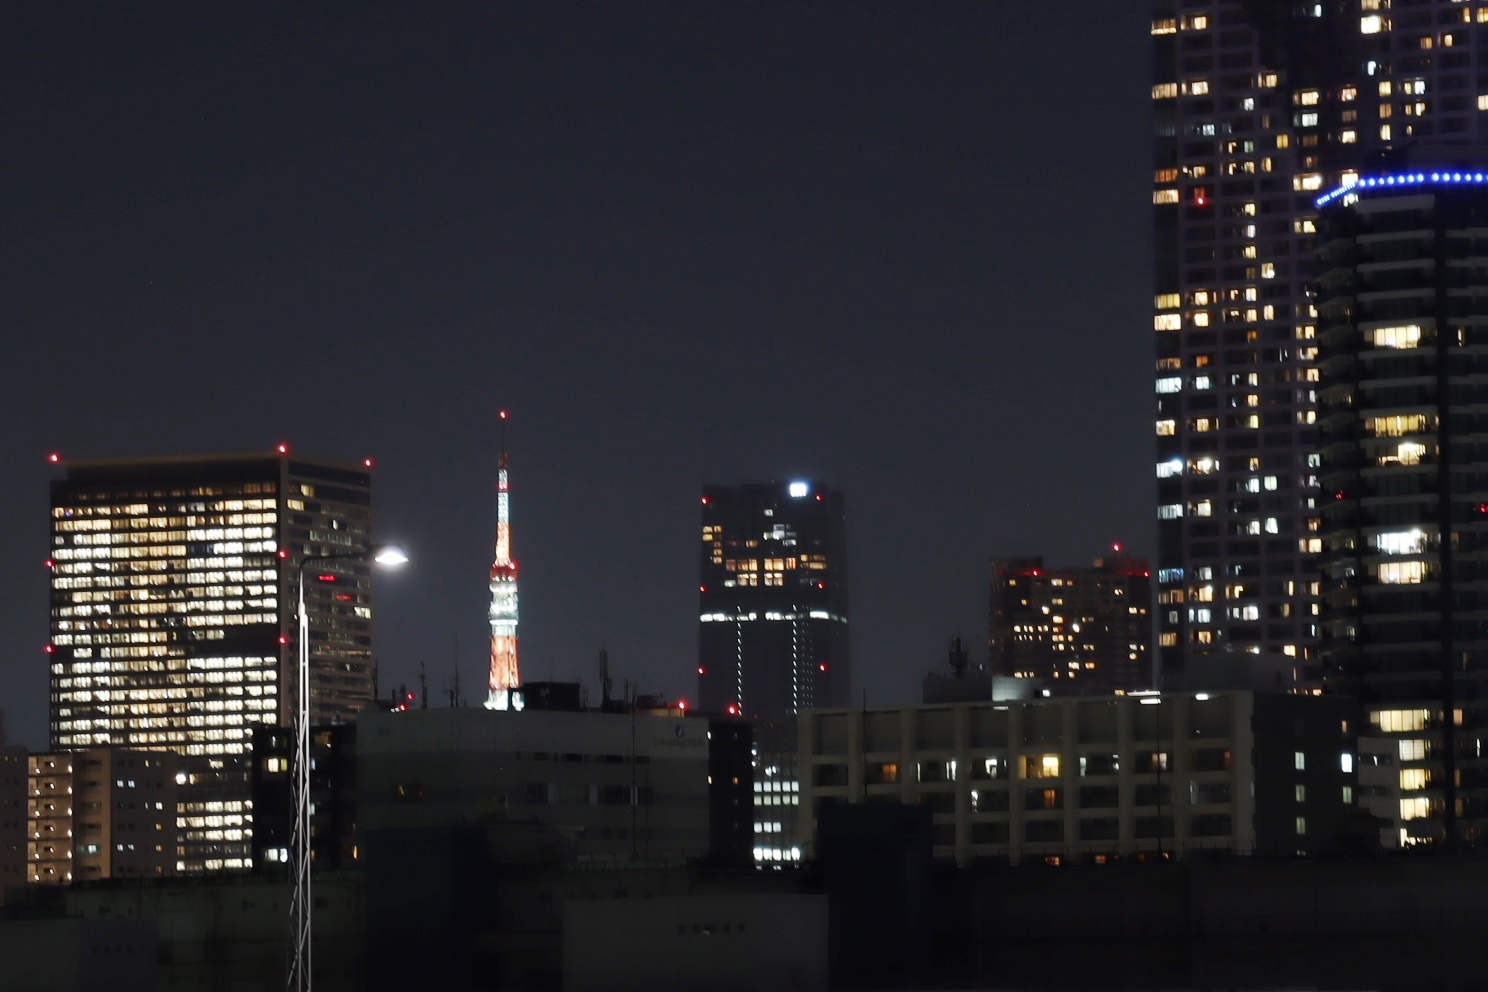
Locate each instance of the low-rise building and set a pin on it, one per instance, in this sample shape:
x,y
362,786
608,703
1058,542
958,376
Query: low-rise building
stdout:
x,y
1098,778
617,786
101,813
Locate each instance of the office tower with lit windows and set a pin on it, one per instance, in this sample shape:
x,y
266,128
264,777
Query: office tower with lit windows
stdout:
x,y
173,617
1077,631
773,613
1403,332
1259,106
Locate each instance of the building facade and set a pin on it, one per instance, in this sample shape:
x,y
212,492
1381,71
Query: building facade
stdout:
x,y
1259,106
1403,326
1098,779
1077,631
101,813
614,786
14,829
173,616
773,603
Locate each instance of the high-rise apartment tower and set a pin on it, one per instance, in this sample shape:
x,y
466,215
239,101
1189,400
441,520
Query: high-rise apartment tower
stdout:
x,y
1259,106
173,617
1403,327
772,631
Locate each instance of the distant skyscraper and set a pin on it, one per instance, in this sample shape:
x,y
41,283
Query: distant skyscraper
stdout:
x,y
1079,631
1403,328
505,675
173,617
773,624
1260,105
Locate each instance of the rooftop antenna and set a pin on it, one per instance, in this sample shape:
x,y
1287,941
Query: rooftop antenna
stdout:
x,y
604,678
958,657
423,688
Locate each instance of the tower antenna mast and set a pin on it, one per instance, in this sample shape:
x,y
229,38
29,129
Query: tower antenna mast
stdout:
x,y
504,677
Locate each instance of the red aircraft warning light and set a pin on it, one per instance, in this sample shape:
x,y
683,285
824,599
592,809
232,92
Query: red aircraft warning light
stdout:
x,y
283,449
54,458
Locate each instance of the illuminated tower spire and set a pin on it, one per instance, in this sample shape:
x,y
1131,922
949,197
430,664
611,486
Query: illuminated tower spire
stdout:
x,y
504,675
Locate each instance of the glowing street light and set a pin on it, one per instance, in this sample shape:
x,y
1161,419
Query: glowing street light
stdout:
x,y
301,903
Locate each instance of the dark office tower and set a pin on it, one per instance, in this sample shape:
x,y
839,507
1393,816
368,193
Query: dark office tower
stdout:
x,y
1077,631
1403,328
1259,106
772,631
173,617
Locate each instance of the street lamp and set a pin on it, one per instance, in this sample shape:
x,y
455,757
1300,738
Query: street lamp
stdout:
x,y
300,904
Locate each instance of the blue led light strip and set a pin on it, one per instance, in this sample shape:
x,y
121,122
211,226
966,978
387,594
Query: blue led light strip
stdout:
x,y
1402,179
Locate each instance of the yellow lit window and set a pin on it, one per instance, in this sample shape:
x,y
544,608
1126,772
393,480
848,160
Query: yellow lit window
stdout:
x,y
1164,91
1162,196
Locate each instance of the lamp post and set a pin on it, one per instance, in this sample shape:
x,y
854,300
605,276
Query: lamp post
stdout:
x,y
300,904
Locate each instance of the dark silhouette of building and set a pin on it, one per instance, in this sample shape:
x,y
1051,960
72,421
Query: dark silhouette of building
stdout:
x,y
773,604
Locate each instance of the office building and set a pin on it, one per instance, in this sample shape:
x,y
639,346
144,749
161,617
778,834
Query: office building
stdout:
x,y
1403,329
1259,106
101,813
1098,779
1076,631
173,616
773,605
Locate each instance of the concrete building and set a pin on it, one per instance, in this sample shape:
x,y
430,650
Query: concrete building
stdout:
x,y
1074,631
173,616
718,941
772,600
180,935
101,813
13,808
1098,779
616,786
777,792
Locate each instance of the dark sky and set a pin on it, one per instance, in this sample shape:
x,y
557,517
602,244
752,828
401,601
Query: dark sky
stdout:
x,y
899,248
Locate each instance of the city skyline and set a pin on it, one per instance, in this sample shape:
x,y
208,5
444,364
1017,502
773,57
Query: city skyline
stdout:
x,y
365,234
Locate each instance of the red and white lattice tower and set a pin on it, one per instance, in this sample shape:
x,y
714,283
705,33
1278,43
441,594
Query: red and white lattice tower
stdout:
x,y
504,677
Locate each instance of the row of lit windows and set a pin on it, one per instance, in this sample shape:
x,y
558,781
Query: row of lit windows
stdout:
x,y
101,523
165,551
196,534
218,506
172,578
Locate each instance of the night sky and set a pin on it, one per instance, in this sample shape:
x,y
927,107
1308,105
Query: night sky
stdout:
x,y
902,249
